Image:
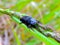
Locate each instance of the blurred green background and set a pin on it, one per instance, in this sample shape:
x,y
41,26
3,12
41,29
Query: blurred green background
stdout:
x,y
46,11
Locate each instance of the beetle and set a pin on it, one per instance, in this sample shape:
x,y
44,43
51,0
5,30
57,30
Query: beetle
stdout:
x,y
32,23
29,21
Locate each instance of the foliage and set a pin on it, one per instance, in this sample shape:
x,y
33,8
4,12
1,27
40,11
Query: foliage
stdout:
x,y
45,11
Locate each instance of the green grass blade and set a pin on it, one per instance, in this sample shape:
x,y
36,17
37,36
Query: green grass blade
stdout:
x,y
54,7
50,16
39,35
21,4
16,37
15,34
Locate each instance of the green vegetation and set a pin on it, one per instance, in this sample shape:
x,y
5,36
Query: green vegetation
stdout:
x,y
47,15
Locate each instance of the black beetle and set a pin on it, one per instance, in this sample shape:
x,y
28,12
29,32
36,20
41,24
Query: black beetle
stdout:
x,y
29,21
